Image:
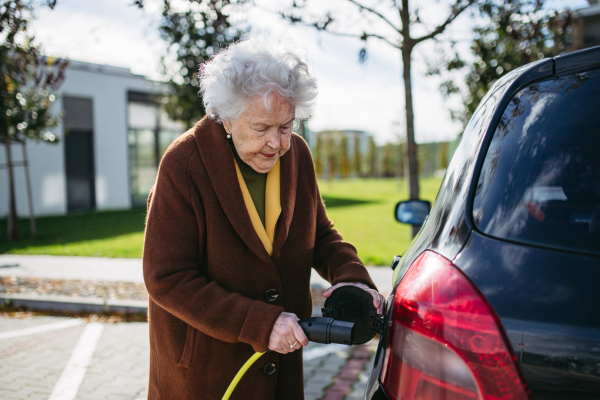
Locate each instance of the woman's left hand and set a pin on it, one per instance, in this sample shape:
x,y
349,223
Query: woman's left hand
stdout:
x,y
378,300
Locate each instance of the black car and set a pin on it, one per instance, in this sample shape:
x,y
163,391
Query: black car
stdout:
x,y
498,296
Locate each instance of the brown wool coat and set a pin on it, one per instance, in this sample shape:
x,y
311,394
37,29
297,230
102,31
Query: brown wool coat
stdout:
x,y
207,271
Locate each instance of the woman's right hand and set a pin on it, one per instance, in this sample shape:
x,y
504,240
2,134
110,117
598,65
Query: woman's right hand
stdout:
x,y
287,336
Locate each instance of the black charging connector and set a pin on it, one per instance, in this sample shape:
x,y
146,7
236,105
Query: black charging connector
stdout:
x,y
327,330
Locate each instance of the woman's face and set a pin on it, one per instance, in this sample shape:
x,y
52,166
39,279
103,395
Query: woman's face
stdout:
x,y
261,136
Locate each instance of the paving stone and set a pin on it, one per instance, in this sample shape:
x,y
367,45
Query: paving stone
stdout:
x,y
317,386
120,365
341,385
118,368
38,396
312,396
34,369
334,396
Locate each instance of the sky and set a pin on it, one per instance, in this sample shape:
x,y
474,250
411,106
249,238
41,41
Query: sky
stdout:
x,y
352,95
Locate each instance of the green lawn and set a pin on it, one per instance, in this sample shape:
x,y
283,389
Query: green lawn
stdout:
x,y
370,225
98,234
361,209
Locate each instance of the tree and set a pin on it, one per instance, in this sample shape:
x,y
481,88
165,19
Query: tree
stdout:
x,y
344,158
512,34
400,39
356,156
25,89
318,156
193,35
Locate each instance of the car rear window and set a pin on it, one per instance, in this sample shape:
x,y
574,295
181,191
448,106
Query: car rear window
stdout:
x,y
540,182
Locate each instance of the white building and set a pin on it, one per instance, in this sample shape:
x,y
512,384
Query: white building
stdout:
x,y
111,139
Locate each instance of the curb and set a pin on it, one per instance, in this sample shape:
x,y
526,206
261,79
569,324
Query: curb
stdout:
x,y
74,304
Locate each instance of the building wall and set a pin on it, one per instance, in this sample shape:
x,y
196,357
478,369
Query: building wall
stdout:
x,y
592,31
586,32
107,87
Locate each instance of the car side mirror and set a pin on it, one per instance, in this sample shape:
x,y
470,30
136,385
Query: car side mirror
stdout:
x,y
412,212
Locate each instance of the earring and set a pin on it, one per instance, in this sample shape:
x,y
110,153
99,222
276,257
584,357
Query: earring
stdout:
x,y
228,135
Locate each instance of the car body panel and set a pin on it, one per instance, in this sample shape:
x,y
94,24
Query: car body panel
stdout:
x,y
548,302
577,61
550,307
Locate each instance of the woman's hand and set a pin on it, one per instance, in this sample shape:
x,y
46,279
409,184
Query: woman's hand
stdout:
x,y
378,300
287,336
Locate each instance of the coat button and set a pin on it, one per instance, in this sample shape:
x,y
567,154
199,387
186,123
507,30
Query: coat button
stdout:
x,y
270,369
271,294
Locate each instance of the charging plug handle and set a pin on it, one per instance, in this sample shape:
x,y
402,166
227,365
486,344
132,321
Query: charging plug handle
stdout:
x,y
327,330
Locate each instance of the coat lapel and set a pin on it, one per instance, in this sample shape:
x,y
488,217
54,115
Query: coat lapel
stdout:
x,y
217,158
288,184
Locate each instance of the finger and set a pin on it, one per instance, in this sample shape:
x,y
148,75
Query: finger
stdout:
x,y
299,335
375,297
328,292
381,304
280,348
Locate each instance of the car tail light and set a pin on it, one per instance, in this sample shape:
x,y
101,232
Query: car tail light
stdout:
x,y
444,340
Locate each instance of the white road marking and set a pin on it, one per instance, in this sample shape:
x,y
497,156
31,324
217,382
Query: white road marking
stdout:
x,y
323,351
41,328
68,384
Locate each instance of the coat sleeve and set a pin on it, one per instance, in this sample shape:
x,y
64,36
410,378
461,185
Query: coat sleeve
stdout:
x,y
334,259
174,246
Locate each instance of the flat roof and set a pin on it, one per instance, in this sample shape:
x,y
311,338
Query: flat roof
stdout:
x,y
103,69
589,11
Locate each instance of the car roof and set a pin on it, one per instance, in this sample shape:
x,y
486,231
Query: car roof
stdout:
x,y
577,60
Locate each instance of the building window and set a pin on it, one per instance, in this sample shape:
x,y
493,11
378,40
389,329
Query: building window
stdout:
x,y
150,133
79,154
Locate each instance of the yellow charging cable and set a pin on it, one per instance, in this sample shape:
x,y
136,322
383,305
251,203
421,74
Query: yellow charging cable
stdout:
x,y
241,373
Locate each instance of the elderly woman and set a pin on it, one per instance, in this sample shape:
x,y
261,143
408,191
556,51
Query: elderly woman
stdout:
x,y
235,223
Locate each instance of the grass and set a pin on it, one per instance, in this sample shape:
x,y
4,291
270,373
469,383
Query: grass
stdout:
x,y
370,225
97,234
362,210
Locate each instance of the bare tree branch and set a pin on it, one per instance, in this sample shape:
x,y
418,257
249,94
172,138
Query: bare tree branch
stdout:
x,y
365,36
457,9
323,27
373,11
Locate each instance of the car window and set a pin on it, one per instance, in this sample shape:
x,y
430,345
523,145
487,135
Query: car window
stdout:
x,y
540,182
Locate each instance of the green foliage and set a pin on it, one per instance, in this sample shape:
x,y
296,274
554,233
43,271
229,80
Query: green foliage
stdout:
x,y
512,33
27,77
193,36
517,32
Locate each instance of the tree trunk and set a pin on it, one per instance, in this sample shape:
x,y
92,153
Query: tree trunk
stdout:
x,y
411,145
13,225
29,193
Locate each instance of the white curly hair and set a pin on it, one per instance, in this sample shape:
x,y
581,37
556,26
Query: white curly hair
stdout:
x,y
258,66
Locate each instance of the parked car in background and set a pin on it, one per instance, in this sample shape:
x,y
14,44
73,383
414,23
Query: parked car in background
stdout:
x,y
498,296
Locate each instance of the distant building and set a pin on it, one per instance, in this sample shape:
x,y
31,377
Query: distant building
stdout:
x,y
341,153
353,153
587,26
111,140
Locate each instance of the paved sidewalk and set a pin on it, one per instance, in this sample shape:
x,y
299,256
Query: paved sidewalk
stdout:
x,y
39,364
120,269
